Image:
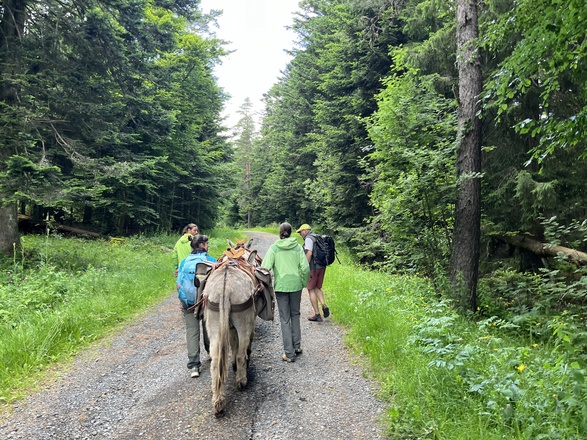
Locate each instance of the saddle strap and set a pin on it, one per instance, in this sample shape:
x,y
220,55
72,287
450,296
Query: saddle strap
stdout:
x,y
192,308
258,290
215,307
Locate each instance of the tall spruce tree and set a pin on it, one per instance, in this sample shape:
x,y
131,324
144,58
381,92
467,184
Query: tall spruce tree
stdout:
x,y
12,26
244,136
466,244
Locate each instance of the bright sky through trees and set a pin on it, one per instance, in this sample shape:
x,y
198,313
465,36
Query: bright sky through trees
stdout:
x,y
257,33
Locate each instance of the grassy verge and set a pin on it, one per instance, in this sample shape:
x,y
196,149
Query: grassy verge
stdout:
x,y
61,294
446,377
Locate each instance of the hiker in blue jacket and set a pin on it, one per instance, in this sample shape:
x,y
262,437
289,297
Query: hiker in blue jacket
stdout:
x,y
189,296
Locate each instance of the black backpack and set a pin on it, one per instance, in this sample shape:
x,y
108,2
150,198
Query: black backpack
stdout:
x,y
324,252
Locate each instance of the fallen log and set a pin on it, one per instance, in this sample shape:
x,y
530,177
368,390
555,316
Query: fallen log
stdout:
x,y
574,256
64,228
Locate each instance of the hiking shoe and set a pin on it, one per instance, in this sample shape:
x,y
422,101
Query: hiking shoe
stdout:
x,y
286,359
316,317
194,372
326,311
299,351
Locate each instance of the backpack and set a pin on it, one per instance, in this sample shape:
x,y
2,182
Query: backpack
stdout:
x,y
265,299
324,251
186,274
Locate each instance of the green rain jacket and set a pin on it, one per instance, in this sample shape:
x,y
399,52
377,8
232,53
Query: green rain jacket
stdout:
x,y
182,249
289,264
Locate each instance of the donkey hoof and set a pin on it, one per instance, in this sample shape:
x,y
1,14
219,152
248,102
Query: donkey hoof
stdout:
x,y
219,414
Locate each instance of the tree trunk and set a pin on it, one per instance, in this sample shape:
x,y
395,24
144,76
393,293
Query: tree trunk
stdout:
x,y
575,257
9,232
464,270
12,19
60,227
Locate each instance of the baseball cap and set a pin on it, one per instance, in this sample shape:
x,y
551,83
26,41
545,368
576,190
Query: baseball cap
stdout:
x,y
303,227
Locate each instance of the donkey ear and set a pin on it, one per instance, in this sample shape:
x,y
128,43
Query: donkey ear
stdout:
x,y
252,257
230,243
249,243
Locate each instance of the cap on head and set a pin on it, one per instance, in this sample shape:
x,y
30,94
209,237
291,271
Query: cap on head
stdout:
x,y
303,227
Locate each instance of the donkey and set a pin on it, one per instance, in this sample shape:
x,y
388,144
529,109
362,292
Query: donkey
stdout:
x,y
230,318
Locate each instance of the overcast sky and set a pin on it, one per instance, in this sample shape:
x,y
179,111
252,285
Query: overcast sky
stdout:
x,y
257,31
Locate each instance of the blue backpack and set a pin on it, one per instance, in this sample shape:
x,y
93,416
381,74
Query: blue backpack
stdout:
x,y
186,274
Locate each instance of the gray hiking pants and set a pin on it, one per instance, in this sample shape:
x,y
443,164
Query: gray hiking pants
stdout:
x,y
192,334
289,318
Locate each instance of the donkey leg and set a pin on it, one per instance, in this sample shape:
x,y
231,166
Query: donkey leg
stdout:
x,y
250,344
234,346
246,330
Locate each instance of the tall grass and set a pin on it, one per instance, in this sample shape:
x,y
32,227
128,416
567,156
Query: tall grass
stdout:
x,y
447,377
60,294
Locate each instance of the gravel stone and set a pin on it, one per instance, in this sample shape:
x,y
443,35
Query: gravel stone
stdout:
x,y
135,384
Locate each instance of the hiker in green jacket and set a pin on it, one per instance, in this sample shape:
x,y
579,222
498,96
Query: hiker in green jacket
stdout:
x,y
290,273
183,246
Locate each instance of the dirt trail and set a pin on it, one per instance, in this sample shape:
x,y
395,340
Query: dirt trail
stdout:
x,y
136,385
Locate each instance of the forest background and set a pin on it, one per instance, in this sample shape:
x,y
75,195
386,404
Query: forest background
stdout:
x,y
110,123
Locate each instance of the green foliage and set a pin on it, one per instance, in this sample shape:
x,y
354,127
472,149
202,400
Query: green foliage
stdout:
x,y
117,118
307,164
430,26
548,61
413,133
447,377
48,297
359,132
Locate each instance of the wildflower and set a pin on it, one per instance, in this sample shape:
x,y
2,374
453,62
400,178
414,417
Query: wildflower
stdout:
x,y
521,368
534,345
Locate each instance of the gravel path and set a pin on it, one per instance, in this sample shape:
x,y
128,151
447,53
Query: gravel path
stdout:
x,y
136,385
